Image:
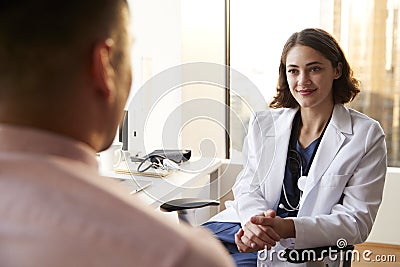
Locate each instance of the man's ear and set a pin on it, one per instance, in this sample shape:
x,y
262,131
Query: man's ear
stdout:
x,y
338,69
102,68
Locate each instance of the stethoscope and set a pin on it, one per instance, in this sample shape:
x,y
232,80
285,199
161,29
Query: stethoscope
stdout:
x,y
300,183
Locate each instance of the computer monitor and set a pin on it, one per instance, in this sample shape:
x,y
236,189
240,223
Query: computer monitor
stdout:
x,y
123,131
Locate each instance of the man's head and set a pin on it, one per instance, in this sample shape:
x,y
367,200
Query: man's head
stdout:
x,y
65,66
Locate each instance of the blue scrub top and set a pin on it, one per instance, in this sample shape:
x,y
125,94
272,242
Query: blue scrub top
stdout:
x,y
290,182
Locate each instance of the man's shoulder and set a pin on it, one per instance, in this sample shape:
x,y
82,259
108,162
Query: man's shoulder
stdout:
x,y
73,204
73,209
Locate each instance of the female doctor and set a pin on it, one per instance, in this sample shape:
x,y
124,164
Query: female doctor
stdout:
x,y
315,170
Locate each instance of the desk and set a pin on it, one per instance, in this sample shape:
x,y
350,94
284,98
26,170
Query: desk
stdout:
x,y
199,179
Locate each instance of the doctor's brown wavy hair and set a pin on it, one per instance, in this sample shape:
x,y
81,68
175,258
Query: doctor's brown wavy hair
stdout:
x,y
344,89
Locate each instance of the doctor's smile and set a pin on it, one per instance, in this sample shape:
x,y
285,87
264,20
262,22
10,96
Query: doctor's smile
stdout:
x,y
306,92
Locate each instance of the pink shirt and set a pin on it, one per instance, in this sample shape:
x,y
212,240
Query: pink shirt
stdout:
x,y
55,210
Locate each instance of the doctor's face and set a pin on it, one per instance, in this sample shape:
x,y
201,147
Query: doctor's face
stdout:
x,y
310,76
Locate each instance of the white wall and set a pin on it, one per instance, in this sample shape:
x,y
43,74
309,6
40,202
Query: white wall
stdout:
x,y
385,229
203,40
168,34
157,30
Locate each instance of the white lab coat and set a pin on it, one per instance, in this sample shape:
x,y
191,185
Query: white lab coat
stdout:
x,y
343,188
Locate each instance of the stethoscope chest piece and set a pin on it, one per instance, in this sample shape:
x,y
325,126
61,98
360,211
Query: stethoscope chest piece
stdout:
x,y
301,183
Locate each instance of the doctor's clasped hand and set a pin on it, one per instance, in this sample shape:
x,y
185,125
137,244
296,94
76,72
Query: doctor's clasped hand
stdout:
x,y
263,231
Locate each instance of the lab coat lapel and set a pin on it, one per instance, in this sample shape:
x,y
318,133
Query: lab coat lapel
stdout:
x,y
283,126
330,144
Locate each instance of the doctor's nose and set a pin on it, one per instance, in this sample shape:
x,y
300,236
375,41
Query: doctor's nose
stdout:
x,y
303,80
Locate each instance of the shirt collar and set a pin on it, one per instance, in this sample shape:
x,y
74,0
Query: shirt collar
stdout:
x,y
21,139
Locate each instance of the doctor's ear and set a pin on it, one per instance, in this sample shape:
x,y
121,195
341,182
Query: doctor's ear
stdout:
x,y
102,69
338,70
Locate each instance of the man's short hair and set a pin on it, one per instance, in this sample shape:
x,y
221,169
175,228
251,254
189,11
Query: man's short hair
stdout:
x,y
39,36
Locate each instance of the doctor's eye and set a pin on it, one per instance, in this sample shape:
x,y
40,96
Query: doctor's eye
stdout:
x,y
315,69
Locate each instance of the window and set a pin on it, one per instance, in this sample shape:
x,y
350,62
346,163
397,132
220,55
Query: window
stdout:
x,y
367,30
